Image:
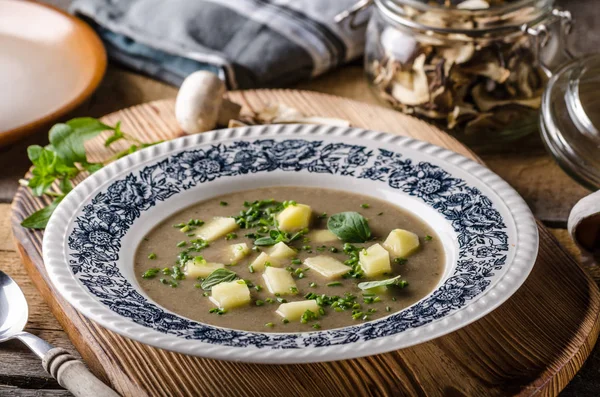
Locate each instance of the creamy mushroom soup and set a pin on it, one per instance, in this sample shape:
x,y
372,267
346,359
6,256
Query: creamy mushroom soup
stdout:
x,y
289,259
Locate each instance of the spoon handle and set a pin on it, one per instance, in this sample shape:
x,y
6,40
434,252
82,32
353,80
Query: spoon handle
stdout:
x,y
73,375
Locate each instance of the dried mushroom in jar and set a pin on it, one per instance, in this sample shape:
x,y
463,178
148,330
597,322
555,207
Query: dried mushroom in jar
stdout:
x,y
462,83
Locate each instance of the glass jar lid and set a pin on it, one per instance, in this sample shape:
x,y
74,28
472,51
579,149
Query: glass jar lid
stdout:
x,y
471,17
570,119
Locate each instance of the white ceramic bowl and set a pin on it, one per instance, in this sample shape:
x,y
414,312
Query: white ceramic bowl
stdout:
x,y
488,233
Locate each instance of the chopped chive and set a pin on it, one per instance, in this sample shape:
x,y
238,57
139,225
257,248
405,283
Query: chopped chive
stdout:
x,y
281,300
151,273
170,283
400,261
185,229
428,238
365,206
269,300
258,288
179,225
323,215
334,284
260,302
205,294
316,326
306,247
293,290
270,325
334,250
388,309
181,244
231,236
394,298
223,203
296,261
197,285
251,269
152,255
312,285
285,321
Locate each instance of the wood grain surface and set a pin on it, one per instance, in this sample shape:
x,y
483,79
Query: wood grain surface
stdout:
x,y
532,344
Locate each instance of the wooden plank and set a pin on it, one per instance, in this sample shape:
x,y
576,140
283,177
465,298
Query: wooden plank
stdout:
x,y
534,343
18,392
6,237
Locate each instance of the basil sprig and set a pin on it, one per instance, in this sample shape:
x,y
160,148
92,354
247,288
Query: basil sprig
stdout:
x,y
396,281
350,227
65,158
217,277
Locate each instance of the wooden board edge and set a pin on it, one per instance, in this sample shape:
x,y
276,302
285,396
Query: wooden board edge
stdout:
x,y
66,315
549,386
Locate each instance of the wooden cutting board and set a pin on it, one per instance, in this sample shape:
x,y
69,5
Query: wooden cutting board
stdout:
x,y
532,345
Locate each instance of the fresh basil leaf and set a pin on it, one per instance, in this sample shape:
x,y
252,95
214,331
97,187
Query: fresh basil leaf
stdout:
x,y
44,173
396,281
39,219
92,167
116,136
217,277
68,138
350,227
265,241
65,185
34,152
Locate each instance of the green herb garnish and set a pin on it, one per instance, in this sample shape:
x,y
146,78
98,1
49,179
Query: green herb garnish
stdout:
x,y
308,316
151,273
350,227
170,283
231,236
152,255
428,238
65,158
396,281
217,277
365,206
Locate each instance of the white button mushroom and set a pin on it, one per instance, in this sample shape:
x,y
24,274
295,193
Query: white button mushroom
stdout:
x,y
200,105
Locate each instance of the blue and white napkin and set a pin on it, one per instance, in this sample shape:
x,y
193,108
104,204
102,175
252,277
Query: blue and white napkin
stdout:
x,y
249,43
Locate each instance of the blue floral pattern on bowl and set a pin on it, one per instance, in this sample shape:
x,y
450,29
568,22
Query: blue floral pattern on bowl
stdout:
x,y
95,241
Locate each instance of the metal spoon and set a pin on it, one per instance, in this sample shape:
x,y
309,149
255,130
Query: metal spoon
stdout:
x,y
70,373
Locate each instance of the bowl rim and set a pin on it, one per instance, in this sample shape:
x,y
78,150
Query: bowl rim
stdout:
x,y
70,288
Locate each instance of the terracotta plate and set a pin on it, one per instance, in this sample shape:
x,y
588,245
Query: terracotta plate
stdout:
x,y
50,62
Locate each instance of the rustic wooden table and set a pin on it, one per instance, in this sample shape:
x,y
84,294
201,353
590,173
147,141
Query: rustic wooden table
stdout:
x,y
546,188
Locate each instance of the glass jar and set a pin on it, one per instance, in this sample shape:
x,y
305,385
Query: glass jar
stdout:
x,y
475,68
